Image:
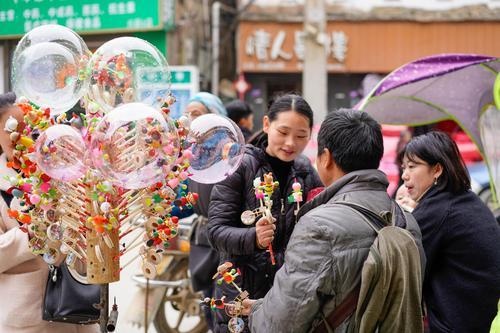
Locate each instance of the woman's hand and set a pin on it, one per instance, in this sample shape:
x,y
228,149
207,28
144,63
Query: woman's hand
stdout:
x,y
264,230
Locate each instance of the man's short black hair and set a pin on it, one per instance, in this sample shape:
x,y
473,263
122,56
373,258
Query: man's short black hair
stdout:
x,y
237,110
353,138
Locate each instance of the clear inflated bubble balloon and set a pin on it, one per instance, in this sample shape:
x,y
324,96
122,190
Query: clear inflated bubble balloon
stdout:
x,y
134,146
128,69
49,66
59,152
217,146
56,34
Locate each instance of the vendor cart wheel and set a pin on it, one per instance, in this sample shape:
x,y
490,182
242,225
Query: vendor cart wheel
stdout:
x,y
180,311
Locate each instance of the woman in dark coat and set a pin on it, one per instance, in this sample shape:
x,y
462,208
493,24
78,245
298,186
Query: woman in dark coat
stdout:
x,y
460,236
287,130
203,260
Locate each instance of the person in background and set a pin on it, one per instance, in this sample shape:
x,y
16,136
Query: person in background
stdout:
x,y
460,236
203,260
286,131
241,113
23,275
203,103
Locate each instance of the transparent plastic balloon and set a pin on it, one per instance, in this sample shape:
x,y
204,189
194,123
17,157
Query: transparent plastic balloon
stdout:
x,y
134,146
217,146
49,67
128,69
60,151
48,75
56,34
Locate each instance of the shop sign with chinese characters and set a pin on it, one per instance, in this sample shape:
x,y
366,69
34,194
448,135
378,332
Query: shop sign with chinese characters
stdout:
x,y
282,49
359,47
20,16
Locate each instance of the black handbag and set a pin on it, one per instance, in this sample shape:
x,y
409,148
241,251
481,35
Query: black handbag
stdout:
x,y
203,260
69,301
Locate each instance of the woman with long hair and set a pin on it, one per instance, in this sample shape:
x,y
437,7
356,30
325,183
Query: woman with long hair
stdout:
x,y
460,236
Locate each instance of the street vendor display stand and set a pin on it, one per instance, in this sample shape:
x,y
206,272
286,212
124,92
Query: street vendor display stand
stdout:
x,y
96,185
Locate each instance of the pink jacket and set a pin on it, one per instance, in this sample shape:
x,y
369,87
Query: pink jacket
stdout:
x,y
23,277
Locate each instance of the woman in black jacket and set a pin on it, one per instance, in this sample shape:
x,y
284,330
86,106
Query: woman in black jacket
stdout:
x,y
203,260
286,132
460,236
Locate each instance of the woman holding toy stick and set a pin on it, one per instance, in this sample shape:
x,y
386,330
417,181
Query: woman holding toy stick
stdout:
x,y
267,200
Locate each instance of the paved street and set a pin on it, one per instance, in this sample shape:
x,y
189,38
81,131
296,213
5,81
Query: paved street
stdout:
x,y
124,291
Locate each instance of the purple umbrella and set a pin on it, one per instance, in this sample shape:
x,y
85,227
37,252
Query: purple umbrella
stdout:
x,y
435,88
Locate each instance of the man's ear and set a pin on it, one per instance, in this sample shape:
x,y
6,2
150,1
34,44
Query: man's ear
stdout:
x,y
325,159
265,124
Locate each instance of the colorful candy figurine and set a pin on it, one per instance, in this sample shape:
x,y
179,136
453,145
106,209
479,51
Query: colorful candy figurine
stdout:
x,y
226,273
263,192
233,310
248,216
229,276
215,303
268,186
296,196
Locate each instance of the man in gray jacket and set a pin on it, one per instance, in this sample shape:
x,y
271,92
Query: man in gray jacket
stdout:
x,y
330,242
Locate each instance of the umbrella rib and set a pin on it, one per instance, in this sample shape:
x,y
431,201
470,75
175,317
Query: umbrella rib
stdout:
x,y
423,101
431,82
452,116
491,69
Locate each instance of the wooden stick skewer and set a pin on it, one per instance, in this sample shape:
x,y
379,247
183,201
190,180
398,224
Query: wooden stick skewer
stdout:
x,y
130,261
71,223
131,247
125,201
128,218
134,240
129,230
124,141
70,248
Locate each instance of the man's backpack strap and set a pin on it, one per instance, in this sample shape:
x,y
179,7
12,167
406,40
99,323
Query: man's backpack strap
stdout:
x,y
368,215
343,311
348,306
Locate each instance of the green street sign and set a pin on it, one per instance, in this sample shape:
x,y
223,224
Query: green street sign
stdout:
x,y
181,76
17,17
185,83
